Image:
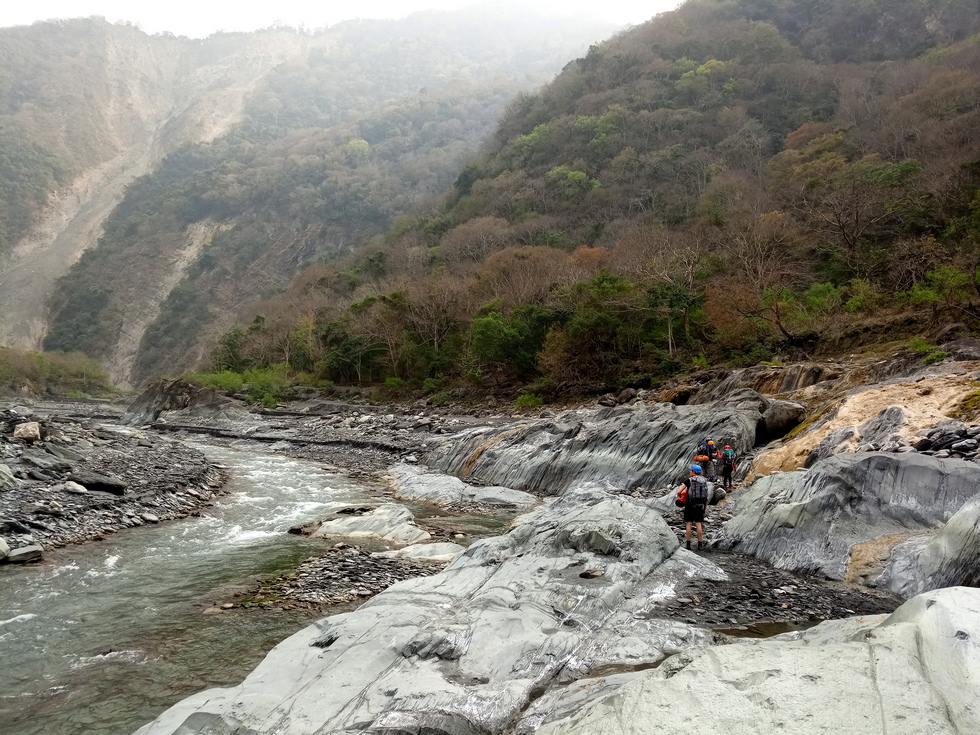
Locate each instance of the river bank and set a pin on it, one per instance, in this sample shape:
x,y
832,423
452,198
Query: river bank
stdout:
x,y
68,479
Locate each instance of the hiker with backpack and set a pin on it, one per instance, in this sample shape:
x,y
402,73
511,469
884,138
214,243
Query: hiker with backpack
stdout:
x,y
693,496
729,463
712,465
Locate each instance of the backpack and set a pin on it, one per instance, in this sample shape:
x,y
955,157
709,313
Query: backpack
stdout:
x,y
697,493
729,458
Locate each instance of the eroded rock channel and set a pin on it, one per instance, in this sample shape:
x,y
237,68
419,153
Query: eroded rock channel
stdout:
x,y
513,576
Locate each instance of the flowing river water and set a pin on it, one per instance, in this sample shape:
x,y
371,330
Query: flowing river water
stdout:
x,y
100,638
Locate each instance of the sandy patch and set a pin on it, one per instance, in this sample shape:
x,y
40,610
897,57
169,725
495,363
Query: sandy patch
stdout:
x,y
868,559
926,402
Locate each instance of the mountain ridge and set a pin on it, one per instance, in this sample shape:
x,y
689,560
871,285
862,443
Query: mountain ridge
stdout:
x,y
209,102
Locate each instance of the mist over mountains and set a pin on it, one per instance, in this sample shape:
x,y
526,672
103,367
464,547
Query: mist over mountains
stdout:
x,y
736,180
178,178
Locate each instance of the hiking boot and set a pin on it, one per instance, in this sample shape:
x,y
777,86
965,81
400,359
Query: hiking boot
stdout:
x,y
688,545
700,545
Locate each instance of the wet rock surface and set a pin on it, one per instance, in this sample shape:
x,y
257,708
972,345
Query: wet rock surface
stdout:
x,y
79,481
755,592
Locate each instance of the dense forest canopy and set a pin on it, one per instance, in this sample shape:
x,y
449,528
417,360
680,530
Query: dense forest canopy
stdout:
x,y
733,180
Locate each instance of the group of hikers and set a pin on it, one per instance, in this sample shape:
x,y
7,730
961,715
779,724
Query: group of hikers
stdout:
x,y
695,494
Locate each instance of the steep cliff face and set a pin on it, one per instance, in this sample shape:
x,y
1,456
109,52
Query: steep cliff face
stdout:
x,y
152,95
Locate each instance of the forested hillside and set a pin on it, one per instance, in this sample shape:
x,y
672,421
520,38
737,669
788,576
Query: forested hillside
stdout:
x,y
735,180
325,136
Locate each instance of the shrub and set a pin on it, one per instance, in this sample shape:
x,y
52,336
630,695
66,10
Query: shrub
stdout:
x,y
226,380
430,385
395,385
919,345
700,361
528,400
269,400
934,356
273,381
52,372
439,399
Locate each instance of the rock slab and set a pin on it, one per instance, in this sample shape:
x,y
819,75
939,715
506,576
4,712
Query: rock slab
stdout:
x,y
813,521
918,671
462,651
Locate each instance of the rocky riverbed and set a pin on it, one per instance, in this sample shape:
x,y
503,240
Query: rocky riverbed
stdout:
x,y
344,574
589,586
66,480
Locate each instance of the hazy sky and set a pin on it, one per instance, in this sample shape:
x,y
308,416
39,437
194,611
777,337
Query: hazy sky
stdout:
x,y
203,17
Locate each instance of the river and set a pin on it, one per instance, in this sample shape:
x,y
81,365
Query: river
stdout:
x,y
100,638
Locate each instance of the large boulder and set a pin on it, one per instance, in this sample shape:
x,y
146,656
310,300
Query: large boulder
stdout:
x,y
918,671
562,596
193,401
4,549
627,446
389,522
842,517
24,555
779,418
98,481
29,431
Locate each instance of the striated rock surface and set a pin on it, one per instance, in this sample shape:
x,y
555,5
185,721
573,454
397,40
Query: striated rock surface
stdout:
x,y
561,597
627,446
949,557
192,401
842,517
918,671
415,483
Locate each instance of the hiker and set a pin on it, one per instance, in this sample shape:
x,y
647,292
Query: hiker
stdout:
x,y
713,457
702,459
729,463
694,494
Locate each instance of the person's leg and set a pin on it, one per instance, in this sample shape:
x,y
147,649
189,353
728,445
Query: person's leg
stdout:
x,y
687,535
700,537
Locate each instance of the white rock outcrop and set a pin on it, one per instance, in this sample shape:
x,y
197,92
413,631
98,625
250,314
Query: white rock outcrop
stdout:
x,y
424,552
389,522
28,431
416,483
562,596
918,671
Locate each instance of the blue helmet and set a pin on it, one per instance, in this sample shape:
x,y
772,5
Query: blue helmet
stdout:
x,y
696,469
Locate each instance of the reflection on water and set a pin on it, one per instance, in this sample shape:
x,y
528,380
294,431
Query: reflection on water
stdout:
x,y
100,638
769,628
